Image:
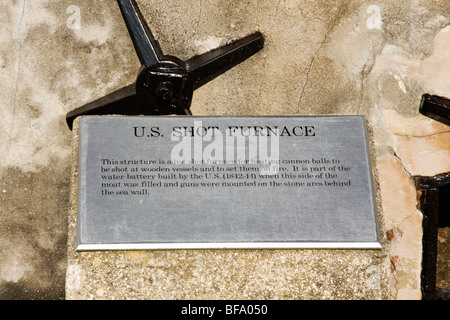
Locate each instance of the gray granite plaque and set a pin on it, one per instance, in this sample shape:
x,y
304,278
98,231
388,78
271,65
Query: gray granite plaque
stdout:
x,y
225,182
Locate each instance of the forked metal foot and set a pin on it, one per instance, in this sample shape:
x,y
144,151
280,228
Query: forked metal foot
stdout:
x,y
165,84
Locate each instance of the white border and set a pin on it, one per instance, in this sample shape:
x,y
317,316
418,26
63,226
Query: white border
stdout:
x,y
231,245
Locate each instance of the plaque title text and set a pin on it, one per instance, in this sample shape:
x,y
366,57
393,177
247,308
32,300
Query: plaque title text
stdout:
x,y
242,131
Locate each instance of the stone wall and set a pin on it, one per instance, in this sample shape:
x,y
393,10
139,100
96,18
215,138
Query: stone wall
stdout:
x,y
372,58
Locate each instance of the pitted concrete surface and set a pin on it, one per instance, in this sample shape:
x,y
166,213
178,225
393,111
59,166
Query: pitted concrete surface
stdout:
x,y
373,58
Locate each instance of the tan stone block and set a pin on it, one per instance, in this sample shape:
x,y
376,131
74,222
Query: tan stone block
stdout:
x,y
398,193
425,156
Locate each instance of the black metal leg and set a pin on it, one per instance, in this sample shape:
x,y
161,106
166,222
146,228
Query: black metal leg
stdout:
x,y
146,46
113,103
435,107
205,67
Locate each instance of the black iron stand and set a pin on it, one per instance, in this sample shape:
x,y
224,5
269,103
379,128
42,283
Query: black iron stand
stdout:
x,y
165,84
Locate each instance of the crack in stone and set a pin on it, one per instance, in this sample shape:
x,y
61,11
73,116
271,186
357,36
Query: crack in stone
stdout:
x,y
401,163
365,72
412,181
309,17
19,64
316,53
422,136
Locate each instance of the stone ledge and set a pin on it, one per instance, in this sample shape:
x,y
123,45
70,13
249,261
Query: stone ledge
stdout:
x,y
221,274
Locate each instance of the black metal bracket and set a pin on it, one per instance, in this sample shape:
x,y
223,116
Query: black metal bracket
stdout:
x,y
435,107
165,84
435,215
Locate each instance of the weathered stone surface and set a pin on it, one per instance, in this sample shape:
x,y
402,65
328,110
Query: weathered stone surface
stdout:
x,y
321,57
403,222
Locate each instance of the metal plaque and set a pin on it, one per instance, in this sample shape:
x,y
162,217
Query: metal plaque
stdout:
x,y
225,182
